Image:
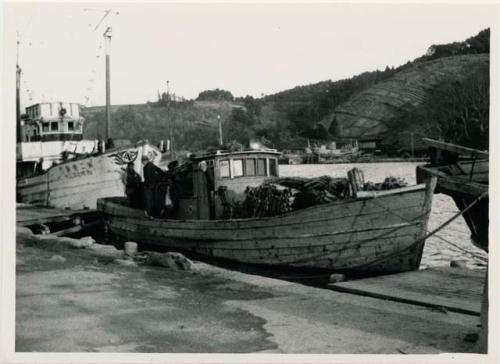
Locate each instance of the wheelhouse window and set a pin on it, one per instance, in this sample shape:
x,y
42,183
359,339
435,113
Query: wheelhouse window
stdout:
x,y
71,126
224,168
45,127
54,126
237,167
273,171
261,167
250,167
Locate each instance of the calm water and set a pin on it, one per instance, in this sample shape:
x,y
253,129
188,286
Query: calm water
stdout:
x,y
450,244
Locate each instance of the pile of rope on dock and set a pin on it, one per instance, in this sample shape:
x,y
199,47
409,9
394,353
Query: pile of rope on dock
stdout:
x,y
280,195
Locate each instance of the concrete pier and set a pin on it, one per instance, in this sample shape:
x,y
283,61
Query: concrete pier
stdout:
x,y
70,300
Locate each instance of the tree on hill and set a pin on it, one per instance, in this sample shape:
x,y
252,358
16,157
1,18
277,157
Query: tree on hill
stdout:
x,y
215,95
460,110
456,110
252,105
477,44
306,106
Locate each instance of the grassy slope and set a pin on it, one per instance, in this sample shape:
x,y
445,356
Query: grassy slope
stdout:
x,y
194,123
368,113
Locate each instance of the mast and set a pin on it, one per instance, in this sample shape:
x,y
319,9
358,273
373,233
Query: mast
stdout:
x,y
107,46
220,130
18,95
170,123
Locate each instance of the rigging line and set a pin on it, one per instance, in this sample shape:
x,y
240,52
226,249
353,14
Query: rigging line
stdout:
x,y
396,214
476,256
472,168
107,11
428,235
459,213
406,220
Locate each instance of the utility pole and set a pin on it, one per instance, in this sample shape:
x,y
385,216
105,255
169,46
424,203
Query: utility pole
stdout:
x,y
412,142
170,124
18,95
220,130
107,49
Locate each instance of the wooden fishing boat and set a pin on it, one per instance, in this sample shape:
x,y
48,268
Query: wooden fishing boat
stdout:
x,y
56,167
78,183
377,232
466,181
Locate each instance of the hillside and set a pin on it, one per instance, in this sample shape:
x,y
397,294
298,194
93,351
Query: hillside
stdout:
x,y
194,122
442,94
368,114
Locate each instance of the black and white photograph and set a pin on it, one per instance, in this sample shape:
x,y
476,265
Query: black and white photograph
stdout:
x,y
195,181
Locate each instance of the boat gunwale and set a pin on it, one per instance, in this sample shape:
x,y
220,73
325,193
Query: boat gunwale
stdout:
x,y
81,157
104,204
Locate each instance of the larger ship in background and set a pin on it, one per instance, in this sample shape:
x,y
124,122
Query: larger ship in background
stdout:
x,y
57,167
48,130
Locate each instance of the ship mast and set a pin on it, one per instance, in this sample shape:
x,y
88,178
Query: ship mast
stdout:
x,y
170,124
107,47
18,95
107,51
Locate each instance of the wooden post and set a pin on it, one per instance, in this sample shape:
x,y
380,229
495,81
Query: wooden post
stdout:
x,y
18,96
482,344
107,41
356,180
220,130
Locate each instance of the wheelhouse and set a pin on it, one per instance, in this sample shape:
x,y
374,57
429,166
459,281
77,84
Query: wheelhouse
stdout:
x,y
198,184
50,121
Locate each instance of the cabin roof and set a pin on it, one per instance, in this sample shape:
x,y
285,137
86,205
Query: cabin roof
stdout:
x,y
222,153
53,102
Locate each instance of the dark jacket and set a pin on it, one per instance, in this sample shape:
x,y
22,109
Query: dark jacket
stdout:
x,y
153,174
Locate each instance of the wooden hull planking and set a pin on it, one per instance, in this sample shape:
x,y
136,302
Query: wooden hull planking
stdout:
x,y
370,235
75,184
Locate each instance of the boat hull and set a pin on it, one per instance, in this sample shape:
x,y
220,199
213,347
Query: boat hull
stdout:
x,y
465,182
369,235
77,184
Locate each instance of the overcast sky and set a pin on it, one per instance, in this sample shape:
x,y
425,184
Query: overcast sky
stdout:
x,y
244,48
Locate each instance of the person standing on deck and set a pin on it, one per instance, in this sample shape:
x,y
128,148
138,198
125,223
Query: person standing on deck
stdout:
x,y
39,166
134,189
155,187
